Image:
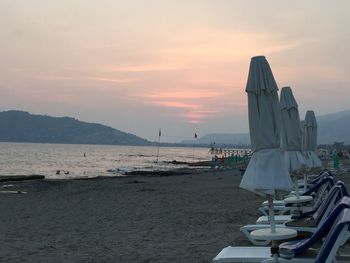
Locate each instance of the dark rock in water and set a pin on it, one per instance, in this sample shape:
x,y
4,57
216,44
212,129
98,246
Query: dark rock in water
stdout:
x,y
178,162
201,163
8,178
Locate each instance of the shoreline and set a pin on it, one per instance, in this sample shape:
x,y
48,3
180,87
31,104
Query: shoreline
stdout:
x,y
131,174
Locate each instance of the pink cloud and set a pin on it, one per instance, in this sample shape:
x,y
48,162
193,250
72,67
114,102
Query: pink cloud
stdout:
x,y
177,104
184,94
197,116
193,105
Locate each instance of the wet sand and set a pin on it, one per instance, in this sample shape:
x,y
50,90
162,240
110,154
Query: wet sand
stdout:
x,y
186,218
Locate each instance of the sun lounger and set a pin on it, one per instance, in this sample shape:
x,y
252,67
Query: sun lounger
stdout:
x,y
336,229
307,222
313,178
324,173
242,254
319,190
293,252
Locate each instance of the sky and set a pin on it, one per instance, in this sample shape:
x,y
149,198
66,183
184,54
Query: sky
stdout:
x,y
180,65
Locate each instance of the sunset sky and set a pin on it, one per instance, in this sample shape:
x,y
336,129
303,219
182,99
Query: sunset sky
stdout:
x,y
179,65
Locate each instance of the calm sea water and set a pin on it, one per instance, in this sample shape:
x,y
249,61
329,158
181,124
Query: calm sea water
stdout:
x,y
46,159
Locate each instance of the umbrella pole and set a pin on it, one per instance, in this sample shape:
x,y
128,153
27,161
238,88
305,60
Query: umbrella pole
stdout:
x,y
274,246
271,214
296,185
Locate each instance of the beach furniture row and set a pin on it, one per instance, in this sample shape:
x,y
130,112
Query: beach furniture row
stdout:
x,y
322,224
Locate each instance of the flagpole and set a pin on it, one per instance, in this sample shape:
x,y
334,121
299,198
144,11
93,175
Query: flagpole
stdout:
x,y
194,141
159,134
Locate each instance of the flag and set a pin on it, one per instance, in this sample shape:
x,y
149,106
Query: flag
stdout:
x,y
195,135
160,132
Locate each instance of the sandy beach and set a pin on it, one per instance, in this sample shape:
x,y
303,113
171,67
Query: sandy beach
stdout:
x,y
185,218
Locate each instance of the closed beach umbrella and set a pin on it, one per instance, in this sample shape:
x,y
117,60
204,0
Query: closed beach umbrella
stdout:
x,y
310,140
291,131
266,172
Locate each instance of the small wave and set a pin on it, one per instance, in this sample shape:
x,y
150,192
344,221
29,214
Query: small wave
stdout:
x,y
118,170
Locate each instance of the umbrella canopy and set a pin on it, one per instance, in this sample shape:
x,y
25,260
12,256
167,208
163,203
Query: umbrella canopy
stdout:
x,y
310,140
291,131
266,171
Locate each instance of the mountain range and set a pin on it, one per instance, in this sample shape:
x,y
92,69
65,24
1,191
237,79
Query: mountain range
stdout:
x,y
21,126
334,127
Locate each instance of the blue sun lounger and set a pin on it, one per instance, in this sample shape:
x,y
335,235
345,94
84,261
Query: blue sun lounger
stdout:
x,y
336,229
307,222
318,191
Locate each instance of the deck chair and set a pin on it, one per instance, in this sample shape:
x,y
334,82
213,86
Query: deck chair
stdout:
x,y
318,191
337,237
312,182
281,204
325,172
336,230
307,222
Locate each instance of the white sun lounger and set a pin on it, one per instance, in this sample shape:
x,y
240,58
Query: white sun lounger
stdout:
x,y
333,198
242,254
319,190
339,233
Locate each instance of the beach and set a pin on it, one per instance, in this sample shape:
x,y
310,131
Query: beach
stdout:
x,y
183,218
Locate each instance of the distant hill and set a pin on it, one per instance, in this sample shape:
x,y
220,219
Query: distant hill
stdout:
x,y
333,116
20,126
334,127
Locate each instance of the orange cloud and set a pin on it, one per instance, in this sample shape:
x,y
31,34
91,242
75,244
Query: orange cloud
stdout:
x,y
182,101
183,94
197,116
193,113
177,104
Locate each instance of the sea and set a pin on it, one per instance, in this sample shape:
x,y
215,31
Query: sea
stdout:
x,y
85,161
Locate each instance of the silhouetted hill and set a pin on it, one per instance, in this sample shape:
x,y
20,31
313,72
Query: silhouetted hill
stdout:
x,y
334,127
20,126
